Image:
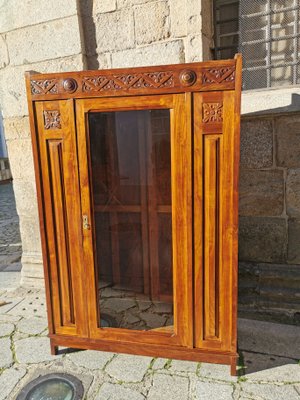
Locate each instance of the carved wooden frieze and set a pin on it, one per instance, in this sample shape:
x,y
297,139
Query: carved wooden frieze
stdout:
x,y
52,119
176,79
128,81
44,86
212,113
218,75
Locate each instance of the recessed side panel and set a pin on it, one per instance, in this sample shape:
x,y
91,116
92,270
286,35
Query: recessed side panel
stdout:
x,y
61,230
213,224
60,192
211,230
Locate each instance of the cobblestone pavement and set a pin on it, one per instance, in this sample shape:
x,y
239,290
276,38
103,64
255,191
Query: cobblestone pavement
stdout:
x,y
10,242
269,368
269,363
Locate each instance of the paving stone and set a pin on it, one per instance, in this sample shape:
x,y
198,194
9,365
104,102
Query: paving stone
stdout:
x,y
33,350
128,368
109,292
15,267
255,364
6,356
268,392
269,338
9,318
288,373
297,388
32,326
6,329
153,320
166,387
210,390
159,363
144,305
163,308
119,305
109,391
32,305
9,379
91,359
9,280
216,371
131,319
183,366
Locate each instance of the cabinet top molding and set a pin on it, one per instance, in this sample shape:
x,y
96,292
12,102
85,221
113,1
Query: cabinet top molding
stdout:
x,y
177,78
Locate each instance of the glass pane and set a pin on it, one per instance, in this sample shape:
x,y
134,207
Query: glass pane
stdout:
x,y
54,389
282,76
282,51
228,11
252,7
255,79
130,169
229,27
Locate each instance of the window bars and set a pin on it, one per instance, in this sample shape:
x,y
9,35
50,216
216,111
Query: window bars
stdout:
x,y
267,33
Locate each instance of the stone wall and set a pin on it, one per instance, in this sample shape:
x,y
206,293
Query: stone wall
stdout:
x,y
75,35
5,174
43,38
126,33
269,224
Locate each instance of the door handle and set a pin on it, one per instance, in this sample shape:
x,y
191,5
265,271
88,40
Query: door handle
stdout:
x,y
85,222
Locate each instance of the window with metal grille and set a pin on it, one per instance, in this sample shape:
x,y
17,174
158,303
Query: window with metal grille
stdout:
x,y
267,33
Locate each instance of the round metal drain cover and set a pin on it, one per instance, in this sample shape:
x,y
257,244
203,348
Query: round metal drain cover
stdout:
x,y
53,387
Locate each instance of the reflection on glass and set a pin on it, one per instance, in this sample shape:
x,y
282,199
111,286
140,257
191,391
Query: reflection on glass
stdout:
x,y
130,168
54,389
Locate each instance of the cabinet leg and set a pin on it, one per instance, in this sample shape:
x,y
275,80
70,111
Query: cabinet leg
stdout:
x,y
233,366
53,349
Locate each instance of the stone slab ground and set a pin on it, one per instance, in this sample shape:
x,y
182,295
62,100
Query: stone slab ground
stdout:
x,y
269,363
269,367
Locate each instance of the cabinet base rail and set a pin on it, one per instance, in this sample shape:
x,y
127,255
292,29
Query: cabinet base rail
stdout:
x,y
146,349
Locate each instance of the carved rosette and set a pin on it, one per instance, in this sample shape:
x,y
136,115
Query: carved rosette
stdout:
x,y
70,85
52,119
212,112
187,77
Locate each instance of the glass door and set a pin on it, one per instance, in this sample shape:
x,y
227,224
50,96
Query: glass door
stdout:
x,y
135,167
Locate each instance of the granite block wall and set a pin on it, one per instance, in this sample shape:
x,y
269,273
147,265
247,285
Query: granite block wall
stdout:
x,y
269,232
95,34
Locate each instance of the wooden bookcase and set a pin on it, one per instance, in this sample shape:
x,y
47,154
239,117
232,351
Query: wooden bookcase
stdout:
x,y
137,181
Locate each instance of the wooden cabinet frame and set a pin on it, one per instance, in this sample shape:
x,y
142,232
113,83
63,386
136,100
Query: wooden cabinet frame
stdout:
x,y
204,104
